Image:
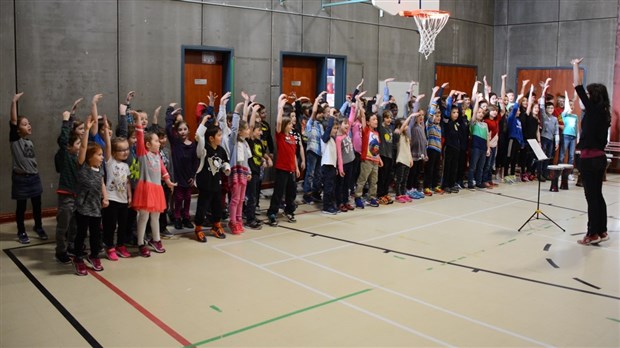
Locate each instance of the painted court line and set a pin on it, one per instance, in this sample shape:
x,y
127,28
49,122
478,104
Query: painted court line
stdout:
x,y
141,309
359,309
410,298
268,321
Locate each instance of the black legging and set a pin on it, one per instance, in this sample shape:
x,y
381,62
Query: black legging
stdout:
x,y
592,172
20,213
413,181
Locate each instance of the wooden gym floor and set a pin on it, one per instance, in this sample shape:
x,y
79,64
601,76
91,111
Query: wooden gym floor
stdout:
x,y
447,270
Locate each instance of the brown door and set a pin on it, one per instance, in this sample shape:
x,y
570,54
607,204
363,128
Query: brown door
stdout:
x,y
460,77
561,80
200,79
300,75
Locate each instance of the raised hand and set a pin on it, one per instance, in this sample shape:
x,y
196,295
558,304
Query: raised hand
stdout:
x,y
388,80
130,96
245,95
212,97
576,61
283,99
75,104
17,96
360,84
420,96
156,114
225,99
96,99
445,84
504,76
66,115
524,83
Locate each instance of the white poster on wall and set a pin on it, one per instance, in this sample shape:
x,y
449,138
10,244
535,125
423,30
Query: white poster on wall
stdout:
x,y
398,90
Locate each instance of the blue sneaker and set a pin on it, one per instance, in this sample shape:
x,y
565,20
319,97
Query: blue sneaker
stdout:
x,y
23,238
418,195
373,202
359,203
330,211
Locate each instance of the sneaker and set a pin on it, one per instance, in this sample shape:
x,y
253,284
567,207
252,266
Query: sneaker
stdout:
x,y
418,195
255,225
401,199
349,206
456,188
382,200
428,192
407,198
488,185
111,254
95,262
23,238
481,187
571,177
471,187
272,220
316,197
410,193
359,203
200,236
388,199
373,202
121,251
178,224
330,211
531,177
165,233
41,232
80,267
291,218
157,246
307,199
239,228
217,231
524,178
587,240
187,223
144,251
604,236
63,258
447,189
343,209
438,190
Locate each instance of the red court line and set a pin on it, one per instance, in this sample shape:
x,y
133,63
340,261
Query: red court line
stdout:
x,y
142,310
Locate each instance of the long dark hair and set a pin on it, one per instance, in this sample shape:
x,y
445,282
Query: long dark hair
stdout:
x,y
599,96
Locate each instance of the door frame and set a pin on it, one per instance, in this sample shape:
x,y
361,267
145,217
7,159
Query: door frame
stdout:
x,y
229,69
341,65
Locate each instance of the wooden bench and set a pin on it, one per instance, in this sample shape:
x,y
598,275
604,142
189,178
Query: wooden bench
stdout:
x,y
613,149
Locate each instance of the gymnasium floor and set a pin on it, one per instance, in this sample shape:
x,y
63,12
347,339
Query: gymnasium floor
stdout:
x,y
447,270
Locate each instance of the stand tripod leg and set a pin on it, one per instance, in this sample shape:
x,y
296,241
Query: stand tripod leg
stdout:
x,y
548,218
528,220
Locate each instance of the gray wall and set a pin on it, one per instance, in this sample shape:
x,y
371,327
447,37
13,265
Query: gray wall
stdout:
x,y
549,33
57,50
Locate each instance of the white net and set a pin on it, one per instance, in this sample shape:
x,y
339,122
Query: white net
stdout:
x,y
429,24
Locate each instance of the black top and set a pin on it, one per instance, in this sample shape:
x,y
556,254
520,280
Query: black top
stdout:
x,y
451,133
209,178
594,125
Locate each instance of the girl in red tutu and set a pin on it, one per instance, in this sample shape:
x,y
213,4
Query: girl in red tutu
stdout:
x,y
148,199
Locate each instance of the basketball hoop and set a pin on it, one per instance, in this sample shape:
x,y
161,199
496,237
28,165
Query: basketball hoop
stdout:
x,y
429,23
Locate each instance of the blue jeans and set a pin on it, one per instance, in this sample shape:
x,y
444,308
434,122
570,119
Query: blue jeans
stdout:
x,y
487,174
569,145
476,165
312,180
547,147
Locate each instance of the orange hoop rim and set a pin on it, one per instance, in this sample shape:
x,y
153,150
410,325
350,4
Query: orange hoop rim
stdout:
x,y
423,13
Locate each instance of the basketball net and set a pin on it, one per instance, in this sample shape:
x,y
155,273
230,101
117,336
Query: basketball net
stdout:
x,y
429,23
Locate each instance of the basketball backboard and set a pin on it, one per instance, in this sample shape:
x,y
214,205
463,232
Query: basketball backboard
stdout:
x,y
394,7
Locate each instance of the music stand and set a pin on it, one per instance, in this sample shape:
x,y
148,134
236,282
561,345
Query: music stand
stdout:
x,y
540,156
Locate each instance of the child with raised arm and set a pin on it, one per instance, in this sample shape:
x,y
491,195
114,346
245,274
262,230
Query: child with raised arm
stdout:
x,y
480,146
329,161
346,161
118,187
385,118
286,169
567,152
240,155
515,140
91,198
66,164
549,134
404,159
419,153
433,135
492,119
148,198
184,164
314,132
370,158
26,183
451,133
213,162
531,130
259,160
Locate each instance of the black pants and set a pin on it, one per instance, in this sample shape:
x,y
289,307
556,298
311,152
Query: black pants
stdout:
x,y
115,215
450,166
431,170
344,185
385,176
462,164
20,213
208,201
251,193
86,224
285,185
413,181
329,173
512,156
163,217
401,176
592,172
357,162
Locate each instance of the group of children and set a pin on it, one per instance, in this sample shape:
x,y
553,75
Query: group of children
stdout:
x,y
115,182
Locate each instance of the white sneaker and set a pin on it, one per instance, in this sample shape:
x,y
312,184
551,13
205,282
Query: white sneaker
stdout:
x,y
571,177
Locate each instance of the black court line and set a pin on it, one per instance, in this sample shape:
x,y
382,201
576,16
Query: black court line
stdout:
x,y
65,313
543,203
474,269
546,248
586,283
552,263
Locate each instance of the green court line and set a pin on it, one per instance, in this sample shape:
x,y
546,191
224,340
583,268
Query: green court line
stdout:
x,y
215,308
231,333
612,319
399,257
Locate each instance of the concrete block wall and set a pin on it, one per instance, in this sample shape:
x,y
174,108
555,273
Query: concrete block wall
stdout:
x,y
548,33
57,50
